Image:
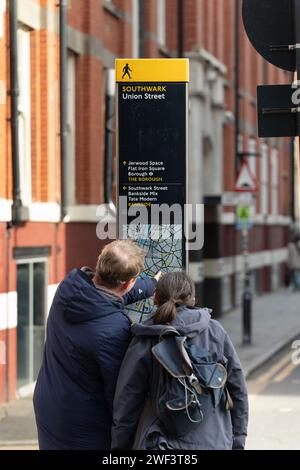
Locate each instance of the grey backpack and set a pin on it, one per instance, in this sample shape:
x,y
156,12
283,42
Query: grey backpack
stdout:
x,y
191,384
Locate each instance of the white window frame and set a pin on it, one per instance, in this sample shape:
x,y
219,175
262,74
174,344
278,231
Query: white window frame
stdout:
x,y
71,128
264,180
161,22
274,181
24,109
252,149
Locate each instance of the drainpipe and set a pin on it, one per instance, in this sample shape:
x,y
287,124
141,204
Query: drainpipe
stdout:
x,y
109,137
7,332
14,92
180,28
237,85
141,28
63,103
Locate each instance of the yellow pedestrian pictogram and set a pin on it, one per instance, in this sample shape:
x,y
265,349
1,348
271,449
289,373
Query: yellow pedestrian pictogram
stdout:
x,y
152,70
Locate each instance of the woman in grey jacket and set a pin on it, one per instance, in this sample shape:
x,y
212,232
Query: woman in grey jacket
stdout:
x,y
136,423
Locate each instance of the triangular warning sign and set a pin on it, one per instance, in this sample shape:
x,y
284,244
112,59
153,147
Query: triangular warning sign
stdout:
x,y
246,182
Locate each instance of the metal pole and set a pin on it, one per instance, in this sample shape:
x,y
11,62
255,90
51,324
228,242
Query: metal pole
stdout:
x,y
247,294
63,103
296,6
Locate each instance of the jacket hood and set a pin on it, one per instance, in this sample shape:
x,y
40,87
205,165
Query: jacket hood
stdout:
x,y
81,301
189,321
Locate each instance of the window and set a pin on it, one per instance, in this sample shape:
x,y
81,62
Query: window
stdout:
x,y
240,143
264,175
2,10
226,293
252,162
161,22
135,28
239,287
71,128
31,292
252,159
275,277
24,114
274,181
255,282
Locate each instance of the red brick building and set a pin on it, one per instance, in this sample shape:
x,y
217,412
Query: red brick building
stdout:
x,y
36,253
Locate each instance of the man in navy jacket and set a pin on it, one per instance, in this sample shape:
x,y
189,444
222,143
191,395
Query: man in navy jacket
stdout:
x,y
87,336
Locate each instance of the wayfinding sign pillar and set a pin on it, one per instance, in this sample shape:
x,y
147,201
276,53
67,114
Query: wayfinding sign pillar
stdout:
x,y
152,110
152,149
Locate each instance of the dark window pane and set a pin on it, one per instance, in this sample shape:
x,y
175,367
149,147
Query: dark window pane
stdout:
x,y
23,330
38,315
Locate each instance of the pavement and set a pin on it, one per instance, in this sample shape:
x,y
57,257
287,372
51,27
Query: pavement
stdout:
x,y
276,324
17,425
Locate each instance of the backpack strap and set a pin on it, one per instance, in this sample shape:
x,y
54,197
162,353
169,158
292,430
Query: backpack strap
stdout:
x,y
167,332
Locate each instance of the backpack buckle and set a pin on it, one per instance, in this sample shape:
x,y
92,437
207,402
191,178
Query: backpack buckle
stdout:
x,y
195,383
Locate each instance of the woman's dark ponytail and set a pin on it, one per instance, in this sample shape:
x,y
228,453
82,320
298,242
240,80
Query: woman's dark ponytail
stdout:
x,y
165,312
173,290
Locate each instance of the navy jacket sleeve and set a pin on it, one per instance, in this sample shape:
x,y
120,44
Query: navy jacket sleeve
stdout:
x,y
111,345
237,388
131,393
142,289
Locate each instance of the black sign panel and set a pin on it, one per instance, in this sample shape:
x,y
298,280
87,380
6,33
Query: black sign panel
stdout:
x,y
270,28
277,111
152,161
152,135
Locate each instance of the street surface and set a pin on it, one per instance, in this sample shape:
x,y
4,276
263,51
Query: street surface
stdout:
x,y
275,405
274,395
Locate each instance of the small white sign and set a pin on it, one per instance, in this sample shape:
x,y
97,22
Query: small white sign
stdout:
x,y
237,199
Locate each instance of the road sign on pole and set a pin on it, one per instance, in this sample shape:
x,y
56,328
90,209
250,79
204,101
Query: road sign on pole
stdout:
x,y
243,218
273,27
278,110
246,181
270,27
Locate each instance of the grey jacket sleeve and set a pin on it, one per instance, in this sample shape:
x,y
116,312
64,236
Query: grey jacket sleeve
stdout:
x,y
131,393
237,388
